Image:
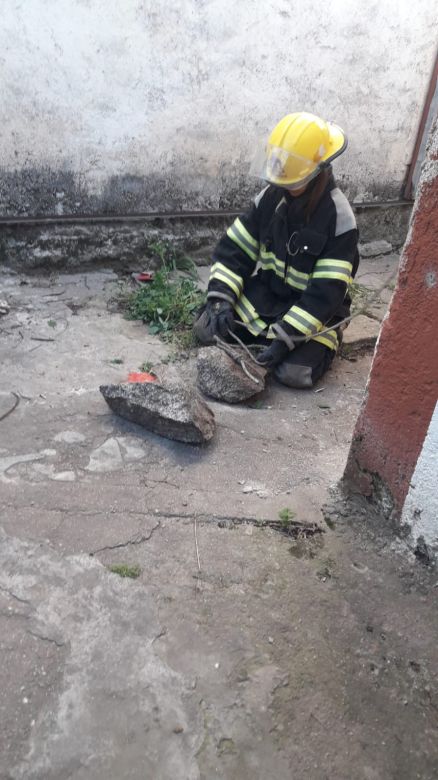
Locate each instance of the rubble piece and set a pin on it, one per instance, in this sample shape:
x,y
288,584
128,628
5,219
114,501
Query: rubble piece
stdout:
x,y
222,378
4,306
375,248
166,407
362,331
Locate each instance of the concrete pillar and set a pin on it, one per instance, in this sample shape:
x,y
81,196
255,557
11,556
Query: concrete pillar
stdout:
x,y
394,454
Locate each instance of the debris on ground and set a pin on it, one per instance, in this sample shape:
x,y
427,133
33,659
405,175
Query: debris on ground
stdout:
x,y
222,378
4,306
375,248
167,407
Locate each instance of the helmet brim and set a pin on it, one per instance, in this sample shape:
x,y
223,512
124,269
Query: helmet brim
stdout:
x,y
337,144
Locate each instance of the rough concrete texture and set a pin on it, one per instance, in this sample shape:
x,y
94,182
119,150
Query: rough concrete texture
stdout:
x,y
310,658
123,244
420,510
223,378
114,687
168,407
104,123
61,247
375,248
403,385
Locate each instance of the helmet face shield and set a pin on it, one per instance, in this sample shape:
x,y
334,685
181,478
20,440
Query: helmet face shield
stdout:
x,y
282,167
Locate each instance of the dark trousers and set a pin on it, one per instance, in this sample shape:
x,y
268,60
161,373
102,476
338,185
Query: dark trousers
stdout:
x,y
302,367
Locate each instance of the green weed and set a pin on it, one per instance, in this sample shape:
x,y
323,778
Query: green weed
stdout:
x,y
359,294
125,570
286,515
171,258
147,366
167,305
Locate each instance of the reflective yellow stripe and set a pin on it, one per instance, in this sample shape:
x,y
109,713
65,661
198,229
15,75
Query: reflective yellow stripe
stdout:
x,y
333,269
249,316
271,256
222,278
223,274
342,263
294,278
329,339
238,225
332,275
242,238
303,321
221,267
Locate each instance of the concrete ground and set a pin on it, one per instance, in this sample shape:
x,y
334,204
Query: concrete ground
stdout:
x,y
312,658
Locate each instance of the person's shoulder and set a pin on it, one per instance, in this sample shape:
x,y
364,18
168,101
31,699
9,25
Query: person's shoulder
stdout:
x,y
344,214
268,197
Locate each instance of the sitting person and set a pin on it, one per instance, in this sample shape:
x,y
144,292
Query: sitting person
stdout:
x,y
281,273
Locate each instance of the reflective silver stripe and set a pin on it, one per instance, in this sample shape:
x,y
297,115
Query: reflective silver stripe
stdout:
x,y
345,270
222,274
302,320
294,281
329,339
300,323
249,316
222,296
345,219
241,241
294,278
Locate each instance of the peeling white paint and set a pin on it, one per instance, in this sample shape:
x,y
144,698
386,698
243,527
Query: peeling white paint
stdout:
x,y
420,510
182,92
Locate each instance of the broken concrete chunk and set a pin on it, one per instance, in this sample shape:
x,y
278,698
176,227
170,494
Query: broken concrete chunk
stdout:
x,y
220,377
374,248
171,410
361,332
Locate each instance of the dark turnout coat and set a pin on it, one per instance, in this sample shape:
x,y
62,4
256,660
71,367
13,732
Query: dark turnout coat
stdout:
x,y
288,275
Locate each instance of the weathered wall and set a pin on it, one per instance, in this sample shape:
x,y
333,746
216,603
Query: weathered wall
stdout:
x,y
118,107
420,510
389,440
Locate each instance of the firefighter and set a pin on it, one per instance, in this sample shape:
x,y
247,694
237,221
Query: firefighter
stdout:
x,y
281,273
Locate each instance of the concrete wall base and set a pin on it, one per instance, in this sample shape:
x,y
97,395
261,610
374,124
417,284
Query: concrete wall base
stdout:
x,y
125,242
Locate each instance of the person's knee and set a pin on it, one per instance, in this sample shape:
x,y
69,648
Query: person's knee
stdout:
x,y
294,375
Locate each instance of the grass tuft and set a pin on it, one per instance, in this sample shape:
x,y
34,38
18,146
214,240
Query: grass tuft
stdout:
x,y
125,570
286,515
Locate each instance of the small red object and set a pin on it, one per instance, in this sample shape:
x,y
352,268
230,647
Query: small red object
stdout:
x,y
141,376
144,276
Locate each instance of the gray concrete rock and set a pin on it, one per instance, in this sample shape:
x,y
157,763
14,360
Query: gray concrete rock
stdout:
x,y
166,407
374,248
223,379
362,331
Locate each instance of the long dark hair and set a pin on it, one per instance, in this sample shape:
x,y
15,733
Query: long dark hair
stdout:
x,y
318,189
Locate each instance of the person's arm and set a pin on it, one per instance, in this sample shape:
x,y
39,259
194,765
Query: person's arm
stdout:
x,y
235,256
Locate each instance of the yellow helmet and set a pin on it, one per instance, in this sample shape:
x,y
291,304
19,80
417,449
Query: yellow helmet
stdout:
x,y
298,148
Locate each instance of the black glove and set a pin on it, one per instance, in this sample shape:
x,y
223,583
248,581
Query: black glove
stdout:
x,y
274,354
222,316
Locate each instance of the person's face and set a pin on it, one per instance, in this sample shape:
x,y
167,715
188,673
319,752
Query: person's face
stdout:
x,y
296,193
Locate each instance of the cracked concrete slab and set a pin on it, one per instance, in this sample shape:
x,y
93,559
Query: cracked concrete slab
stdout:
x,y
114,688
305,658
